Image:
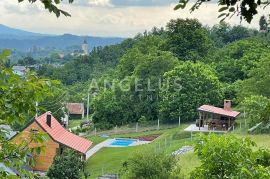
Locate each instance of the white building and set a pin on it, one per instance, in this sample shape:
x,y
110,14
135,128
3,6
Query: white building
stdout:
x,y
85,48
19,70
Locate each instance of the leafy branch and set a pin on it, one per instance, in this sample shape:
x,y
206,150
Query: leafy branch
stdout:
x,y
52,6
244,8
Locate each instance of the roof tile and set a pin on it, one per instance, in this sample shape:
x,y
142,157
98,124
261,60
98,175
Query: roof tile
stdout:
x,y
61,135
216,110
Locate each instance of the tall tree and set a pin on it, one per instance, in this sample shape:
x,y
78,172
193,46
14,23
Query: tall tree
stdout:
x,y
188,39
263,23
191,85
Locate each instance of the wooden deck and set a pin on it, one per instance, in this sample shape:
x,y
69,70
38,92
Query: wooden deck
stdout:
x,y
194,128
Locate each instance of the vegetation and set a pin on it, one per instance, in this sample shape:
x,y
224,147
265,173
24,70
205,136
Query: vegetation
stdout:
x,y
67,165
254,106
136,79
17,104
111,160
229,157
183,102
153,165
188,39
127,81
245,8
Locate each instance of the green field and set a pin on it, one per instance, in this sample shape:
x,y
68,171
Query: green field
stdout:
x,y
74,123
110,160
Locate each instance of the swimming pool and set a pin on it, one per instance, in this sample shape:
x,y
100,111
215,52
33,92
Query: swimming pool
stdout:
x,y
123,142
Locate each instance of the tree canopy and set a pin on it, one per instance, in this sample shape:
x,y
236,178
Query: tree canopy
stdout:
x,y
198,85
247,9
226,156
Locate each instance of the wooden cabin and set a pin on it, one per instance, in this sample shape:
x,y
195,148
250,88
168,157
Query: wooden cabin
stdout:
x,y
221,119
59,138
75,110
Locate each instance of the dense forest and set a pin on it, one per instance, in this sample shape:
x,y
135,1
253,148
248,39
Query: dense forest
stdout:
x,y
136,79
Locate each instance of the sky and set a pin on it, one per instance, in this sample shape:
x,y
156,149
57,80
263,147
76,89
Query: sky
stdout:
x,y
107,18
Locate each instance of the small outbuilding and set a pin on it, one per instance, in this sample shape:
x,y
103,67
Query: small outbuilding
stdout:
x,y
220,119
59,139
75,110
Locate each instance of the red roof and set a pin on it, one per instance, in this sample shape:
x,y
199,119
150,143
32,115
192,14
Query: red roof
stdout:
x,y
75,108
216,110
58,133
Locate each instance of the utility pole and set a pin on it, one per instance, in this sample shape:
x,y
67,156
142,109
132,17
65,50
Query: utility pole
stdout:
x,y
36,109
87,113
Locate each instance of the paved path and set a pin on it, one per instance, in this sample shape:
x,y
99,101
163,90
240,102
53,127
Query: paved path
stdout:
x,y
96,148
107,143
194,128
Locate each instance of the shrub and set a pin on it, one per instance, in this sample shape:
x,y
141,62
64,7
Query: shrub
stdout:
x,y
151,166
68,166
227,156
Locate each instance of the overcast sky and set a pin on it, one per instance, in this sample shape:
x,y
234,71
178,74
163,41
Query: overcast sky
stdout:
x,y
124,18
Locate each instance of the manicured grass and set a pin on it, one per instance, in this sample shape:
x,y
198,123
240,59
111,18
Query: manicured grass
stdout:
x,y
74,123
96,139
110,160
188,162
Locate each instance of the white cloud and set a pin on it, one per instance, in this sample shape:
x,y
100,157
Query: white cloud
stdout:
x,y
102,19
102,3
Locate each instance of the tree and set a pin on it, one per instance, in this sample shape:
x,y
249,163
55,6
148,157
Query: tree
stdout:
x,y
51,6
191,85
188,39
245,8
18,97
226,156
263,23
27,61
223,34
234,61
153,165
67,165
117,106
258,81
254,106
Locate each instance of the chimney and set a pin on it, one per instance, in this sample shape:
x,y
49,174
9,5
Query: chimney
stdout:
x,y
49,120
227,105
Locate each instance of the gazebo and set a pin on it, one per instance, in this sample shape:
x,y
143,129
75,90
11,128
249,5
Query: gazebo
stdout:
x,y
220,119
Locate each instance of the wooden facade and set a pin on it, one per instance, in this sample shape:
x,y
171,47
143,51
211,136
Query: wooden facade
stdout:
x,y
215,121
58,139
45,159
220,119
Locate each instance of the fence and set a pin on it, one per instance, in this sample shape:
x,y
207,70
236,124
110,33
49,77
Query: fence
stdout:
x,y
131,128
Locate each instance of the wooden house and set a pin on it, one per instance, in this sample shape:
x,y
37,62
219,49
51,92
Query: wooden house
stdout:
x,y
59,138
75,110
221,119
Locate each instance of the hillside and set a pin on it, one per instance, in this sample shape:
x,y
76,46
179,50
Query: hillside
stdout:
x,y
23,40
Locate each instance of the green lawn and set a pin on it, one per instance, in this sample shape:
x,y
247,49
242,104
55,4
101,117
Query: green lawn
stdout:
x,y
110,160
74,123
188,162
96,139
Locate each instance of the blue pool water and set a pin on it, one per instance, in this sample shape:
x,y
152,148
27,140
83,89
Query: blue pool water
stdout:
x,y
123,142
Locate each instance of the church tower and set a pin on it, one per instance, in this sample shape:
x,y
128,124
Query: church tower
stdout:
x,y
85,48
